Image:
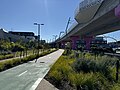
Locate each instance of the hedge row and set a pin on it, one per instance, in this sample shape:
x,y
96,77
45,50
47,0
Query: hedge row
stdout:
x,y
6,56
14,62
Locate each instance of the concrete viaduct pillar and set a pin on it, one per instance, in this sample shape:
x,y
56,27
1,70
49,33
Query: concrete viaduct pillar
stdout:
x,y
88,40
117,11
74,40
63,44
58,45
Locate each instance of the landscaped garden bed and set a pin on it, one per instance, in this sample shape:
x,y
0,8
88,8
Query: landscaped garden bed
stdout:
x,y
6,56
14,62
87,72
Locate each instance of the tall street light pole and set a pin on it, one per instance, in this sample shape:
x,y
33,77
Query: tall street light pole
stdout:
x,y
38,34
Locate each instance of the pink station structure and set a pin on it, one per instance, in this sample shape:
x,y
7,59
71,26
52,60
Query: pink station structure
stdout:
x,y
117,11
87,39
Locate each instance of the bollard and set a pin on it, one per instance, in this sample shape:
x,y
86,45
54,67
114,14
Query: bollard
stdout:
x,y
117,69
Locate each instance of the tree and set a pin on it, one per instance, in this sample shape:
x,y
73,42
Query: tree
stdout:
x,y
18,47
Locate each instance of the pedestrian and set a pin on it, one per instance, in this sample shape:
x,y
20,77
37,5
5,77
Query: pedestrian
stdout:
x,y
36,59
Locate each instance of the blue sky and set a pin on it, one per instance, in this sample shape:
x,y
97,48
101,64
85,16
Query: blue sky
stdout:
x,y
19,15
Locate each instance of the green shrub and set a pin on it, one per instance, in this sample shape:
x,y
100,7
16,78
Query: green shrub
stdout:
x,y
56,76
90,72
67,52
13,62
60,70
76,79
116,86
65,70
84,65
9,64
113,73
6,56
2,66
87,66
88,56
88,81
2,57
17,61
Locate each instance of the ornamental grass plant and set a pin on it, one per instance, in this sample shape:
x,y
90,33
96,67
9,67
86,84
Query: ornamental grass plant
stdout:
x,y
88,72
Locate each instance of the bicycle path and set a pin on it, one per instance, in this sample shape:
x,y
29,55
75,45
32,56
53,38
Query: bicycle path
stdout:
x,y
28,76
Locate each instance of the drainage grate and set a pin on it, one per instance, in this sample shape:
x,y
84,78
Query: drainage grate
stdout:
x,y
42,62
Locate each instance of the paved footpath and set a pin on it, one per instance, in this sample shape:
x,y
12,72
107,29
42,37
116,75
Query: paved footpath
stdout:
x,y
45,85
28,76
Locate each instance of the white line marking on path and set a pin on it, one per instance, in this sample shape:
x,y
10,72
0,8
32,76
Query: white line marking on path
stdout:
x,y
22,73
38,81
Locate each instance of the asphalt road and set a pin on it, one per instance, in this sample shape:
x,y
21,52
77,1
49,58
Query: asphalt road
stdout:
x,y
27,76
